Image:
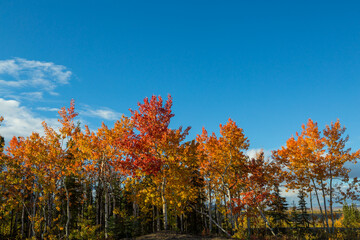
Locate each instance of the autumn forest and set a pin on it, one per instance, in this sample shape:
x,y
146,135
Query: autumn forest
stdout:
x,y
140,176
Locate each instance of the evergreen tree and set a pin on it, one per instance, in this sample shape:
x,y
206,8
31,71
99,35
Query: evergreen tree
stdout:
x,y
278,209
351,216
2,140
2,143
303,216
294,216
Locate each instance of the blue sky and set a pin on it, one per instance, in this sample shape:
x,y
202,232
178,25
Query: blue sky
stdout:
x,y
269,65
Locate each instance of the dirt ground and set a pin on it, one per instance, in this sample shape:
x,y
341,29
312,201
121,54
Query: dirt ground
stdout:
x,y
169,235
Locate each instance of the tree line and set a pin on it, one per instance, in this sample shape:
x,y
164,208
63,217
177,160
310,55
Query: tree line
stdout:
x,y
141,176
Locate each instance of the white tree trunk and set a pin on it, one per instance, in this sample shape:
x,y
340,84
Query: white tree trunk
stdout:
x,y
164,204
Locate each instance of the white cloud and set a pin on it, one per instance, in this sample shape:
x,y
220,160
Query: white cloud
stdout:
x,y
251,153
32,95
104,113
9,66
48,109
24,81
15,84
20,74
20,121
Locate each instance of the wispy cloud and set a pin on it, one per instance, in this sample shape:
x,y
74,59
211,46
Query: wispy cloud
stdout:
x,y
25,81
48,109
23,75
32,96
20,121
104,113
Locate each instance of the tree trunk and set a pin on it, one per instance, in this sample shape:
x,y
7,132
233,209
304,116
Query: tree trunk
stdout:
x,y
158,227
227,214
205,214
266,221
98,203
114,203
164,204
210,212
318,200
33,216
312,211
22,221
45,220
217,216
106,210
248,221
325,208
16,223
135,214
203,219
49,205
230,208
331,205
84,205
182,223
11,222
67,211
153,218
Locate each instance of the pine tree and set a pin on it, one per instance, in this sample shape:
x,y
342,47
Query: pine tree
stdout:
x,y
351,216
278,209
2,143
2,140
303,217
294,216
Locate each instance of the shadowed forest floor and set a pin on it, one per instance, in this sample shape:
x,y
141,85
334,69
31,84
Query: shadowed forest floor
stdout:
x,y
171,235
